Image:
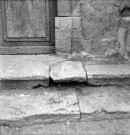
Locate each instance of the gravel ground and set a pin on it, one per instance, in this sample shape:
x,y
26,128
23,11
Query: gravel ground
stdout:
x,y
113,127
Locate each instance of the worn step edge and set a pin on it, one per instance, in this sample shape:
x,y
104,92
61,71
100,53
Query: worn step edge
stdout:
x,y
95,81
104,116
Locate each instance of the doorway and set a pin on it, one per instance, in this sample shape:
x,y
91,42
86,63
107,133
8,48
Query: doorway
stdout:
x,y
27,26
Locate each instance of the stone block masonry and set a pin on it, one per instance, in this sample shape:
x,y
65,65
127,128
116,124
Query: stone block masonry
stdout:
x,y
68,34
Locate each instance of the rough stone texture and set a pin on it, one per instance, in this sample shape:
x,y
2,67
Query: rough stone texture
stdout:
x,y
63,31
63,40
68,71
100,19
111,127
108,74
68,34
104,99
26,68
24,106
76,35
63,22
64,7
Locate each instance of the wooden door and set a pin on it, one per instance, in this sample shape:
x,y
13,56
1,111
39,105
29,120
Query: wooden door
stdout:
x,y
27,26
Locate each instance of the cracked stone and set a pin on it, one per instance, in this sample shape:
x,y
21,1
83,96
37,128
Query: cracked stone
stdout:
x,y
68,71
111,99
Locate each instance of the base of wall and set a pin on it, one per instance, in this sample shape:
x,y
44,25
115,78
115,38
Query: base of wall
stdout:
x,y
27,50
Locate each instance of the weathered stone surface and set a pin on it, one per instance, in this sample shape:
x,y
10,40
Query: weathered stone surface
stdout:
x,y
63,40
108,127
68,71
63,34
100,19
76,22
68,34
109,99
63,22
108,74
64,7
76,40
49,105
26,67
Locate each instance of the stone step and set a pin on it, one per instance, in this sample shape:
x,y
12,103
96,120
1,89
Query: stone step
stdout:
x,y
108,74
62,104
28,71
25,71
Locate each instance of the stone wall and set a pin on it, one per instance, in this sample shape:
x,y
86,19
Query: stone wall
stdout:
x,y
100,21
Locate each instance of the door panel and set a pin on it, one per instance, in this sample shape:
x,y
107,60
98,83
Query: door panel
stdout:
x,y
26,20
27,26
20,18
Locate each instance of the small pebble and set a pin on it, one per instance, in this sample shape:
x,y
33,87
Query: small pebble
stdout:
x,y
68,123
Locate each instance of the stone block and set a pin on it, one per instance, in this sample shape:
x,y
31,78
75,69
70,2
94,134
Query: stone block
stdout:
x,y
50,105
63,40
26,70
63,22
68,71
104,99
68,34
76,40
108,74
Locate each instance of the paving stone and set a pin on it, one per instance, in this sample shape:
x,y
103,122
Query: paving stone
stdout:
x,y
49,105
26,67
108,74
68,71
109,99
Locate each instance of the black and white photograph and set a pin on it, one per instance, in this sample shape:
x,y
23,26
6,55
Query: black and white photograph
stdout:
x,y
64,67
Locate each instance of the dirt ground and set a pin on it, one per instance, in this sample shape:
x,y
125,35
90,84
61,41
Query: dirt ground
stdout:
x,y
113,127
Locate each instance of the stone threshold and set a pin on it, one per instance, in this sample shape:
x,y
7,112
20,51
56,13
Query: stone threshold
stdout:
x,y
28,71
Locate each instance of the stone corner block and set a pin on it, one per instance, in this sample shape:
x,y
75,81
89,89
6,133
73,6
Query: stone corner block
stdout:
x,y
68,71
67,22
68,34
63,22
